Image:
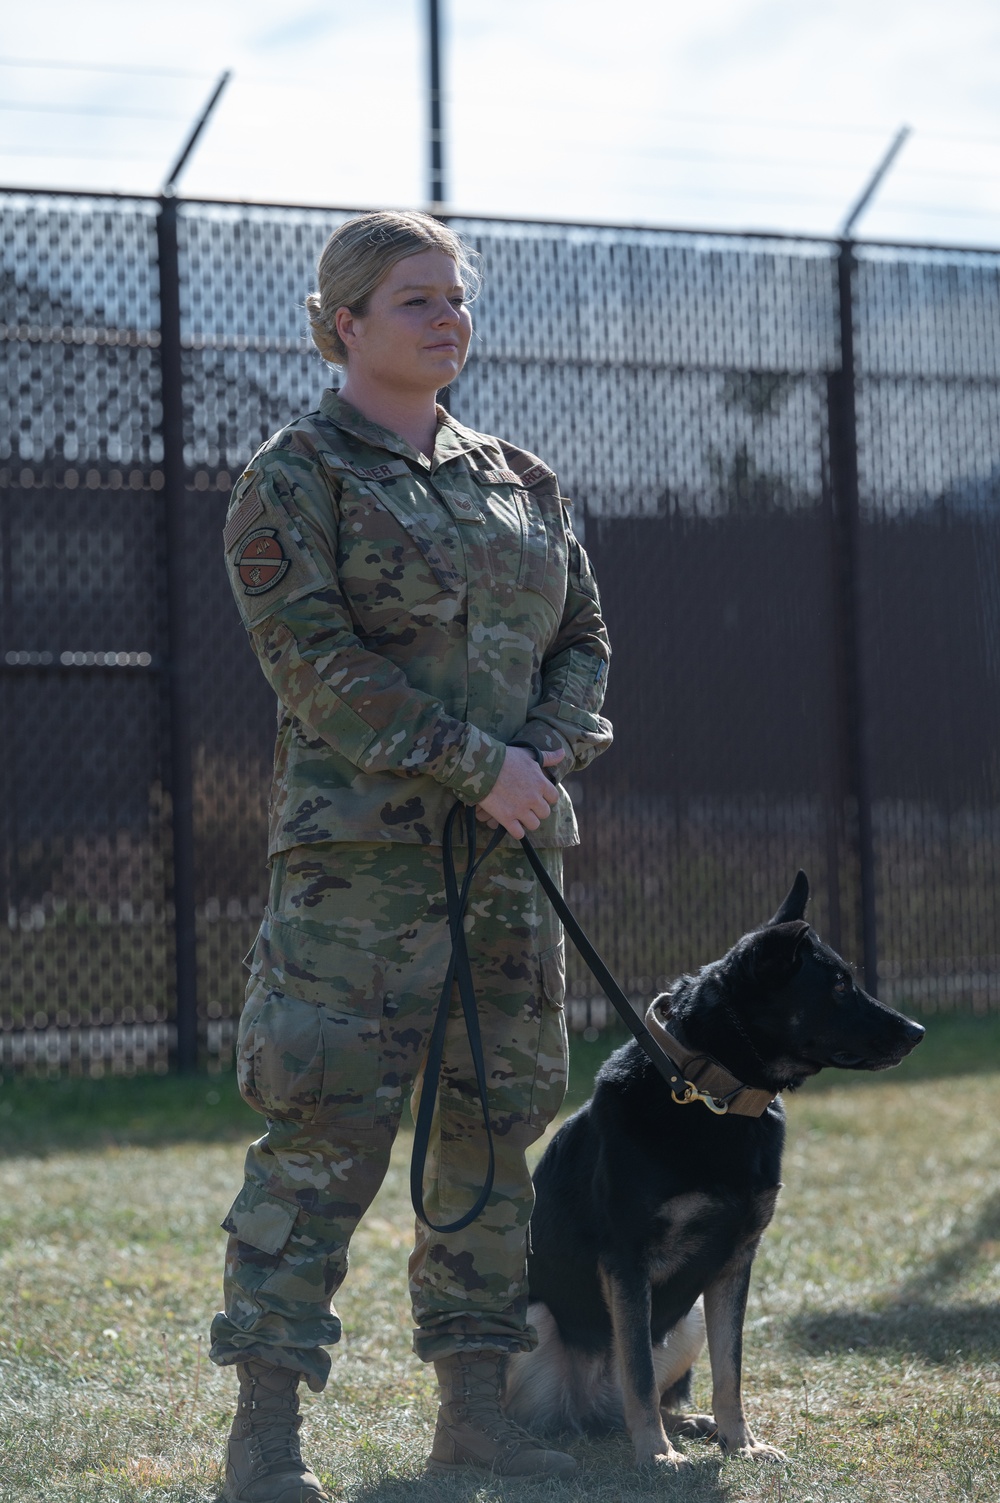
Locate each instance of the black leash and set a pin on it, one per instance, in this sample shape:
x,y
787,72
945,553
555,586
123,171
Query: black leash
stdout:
x,y
459,969
602,975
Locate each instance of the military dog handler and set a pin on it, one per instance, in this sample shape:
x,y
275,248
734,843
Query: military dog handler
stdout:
x,y
416,597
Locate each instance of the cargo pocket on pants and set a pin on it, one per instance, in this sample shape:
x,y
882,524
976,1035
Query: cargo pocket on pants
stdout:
x,y
309,1038
552,1063
260,1220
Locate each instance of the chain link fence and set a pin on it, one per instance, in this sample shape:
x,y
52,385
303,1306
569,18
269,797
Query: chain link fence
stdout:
x,y
785,458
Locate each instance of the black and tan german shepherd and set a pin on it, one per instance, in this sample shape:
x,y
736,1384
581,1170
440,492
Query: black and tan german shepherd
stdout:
x,y
651,1201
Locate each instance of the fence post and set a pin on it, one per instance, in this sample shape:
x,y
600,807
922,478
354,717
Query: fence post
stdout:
x,y
436,154
177,675
847,525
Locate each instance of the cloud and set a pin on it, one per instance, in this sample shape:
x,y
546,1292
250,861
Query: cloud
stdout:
x,y
735,113
292,31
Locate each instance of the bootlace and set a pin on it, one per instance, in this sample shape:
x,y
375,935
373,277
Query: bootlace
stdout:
x,y
481,1399
278,1440
272,1416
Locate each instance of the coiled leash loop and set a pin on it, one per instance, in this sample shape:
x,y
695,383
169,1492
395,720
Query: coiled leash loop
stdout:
x,y
683,1091
459,970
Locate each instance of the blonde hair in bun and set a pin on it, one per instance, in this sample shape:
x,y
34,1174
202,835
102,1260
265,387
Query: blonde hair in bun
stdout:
x,y
358,255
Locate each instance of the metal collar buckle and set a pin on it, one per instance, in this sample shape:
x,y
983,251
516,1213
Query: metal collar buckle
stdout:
x,y
692,1093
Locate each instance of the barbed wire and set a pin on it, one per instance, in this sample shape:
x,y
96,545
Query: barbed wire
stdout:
x,y
99,111
723,189
822,127
555,144
80,67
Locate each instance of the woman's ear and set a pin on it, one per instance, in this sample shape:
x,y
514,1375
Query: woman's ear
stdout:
x,y
346,325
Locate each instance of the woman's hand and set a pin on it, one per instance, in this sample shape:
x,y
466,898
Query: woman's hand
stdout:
x,y
522,795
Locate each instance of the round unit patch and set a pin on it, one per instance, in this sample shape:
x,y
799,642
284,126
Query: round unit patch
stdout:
x,y
261,562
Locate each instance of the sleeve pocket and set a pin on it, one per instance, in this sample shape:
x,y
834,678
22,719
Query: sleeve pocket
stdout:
x,y
267,557
582,690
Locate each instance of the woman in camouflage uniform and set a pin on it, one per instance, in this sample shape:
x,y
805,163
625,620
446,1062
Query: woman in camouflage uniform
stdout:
x,y
416,597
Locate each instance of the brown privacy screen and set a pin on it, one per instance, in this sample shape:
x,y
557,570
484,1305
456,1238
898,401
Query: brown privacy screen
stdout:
x,y
785,459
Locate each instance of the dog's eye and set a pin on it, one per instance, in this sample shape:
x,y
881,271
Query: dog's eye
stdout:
x,y
841,985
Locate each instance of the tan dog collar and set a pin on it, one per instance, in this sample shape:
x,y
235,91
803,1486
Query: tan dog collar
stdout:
x,y
705,1079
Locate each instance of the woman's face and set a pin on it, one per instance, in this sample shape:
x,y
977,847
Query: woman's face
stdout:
x,y
415,334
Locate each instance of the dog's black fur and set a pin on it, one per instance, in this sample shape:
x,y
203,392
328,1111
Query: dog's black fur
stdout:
x,y
645,1205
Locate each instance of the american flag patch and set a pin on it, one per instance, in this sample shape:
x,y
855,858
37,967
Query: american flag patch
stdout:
x,y
242,518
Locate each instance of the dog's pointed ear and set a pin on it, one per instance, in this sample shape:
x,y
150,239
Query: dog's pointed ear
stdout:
x,y
794,906
773,956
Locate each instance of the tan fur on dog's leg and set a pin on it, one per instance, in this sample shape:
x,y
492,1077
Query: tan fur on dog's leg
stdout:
x,y
671,1361
725,1308
630,1313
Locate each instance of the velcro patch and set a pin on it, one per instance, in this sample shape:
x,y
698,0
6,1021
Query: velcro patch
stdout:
x,y
242,518
382,471
266,1223
497,477
535,473
374,472
262,561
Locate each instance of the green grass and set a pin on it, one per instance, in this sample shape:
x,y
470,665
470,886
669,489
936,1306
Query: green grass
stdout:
x,y
43,1116
872,1341
39,1116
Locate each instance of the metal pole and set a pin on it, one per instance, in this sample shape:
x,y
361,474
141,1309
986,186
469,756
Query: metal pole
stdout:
x,y
177,675
170,182
437,193
847,522
873,182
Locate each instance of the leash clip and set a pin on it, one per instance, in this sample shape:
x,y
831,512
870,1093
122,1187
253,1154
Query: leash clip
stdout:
x,y
692,1093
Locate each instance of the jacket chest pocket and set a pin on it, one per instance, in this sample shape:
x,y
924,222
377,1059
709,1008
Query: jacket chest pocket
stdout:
x,y
394,554
543,554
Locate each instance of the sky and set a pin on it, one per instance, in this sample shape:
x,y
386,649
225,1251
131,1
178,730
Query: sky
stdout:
x,y
732,114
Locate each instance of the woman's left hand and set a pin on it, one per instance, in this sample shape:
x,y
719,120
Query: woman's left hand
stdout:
x,y
522,795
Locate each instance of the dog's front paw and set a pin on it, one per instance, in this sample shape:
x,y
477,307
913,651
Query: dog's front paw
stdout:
x,y
669,1460
753,1450
691,1426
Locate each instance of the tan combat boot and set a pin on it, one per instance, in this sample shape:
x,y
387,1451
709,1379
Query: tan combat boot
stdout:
x,y
263,1460
473,1431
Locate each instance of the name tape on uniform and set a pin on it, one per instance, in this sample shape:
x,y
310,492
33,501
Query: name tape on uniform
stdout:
x,y
529,478
497,477
537,472
375,472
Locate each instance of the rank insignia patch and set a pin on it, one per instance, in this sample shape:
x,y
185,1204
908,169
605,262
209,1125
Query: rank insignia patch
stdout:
x,y
261,561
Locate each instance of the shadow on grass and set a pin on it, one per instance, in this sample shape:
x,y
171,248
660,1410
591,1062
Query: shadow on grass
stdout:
x,y
973,1244
606,1471
915,1323
937,1333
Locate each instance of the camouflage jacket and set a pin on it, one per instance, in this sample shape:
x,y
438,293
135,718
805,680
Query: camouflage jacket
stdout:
x,y
414,617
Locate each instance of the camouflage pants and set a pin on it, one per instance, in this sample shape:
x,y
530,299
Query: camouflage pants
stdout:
x,y
348,971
